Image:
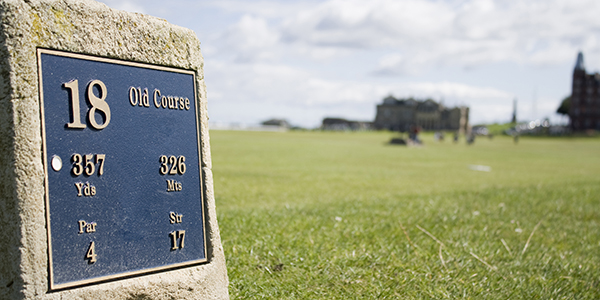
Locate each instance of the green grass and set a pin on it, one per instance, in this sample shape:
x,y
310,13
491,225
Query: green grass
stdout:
x,y
313,215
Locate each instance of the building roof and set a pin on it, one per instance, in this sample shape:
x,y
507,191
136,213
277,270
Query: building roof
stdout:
x,y
390,100
428,106
579,64
276,122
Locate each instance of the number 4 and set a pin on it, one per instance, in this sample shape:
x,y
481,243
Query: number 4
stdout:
x,y
91,253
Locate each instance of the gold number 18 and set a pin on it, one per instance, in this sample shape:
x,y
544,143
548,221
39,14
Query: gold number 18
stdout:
x,y
98,104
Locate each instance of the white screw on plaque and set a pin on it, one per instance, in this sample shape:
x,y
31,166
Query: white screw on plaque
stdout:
x,y
56,163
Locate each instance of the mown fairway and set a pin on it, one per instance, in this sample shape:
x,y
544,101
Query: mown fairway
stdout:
x,y
312,215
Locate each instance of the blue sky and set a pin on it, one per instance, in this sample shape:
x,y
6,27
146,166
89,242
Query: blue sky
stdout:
x,y
305,60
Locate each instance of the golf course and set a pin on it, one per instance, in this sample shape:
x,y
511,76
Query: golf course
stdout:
x,y
345,215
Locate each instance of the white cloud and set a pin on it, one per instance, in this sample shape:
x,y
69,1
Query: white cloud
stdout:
x,y
308,59
263,8
251,39
261,91
463,33
457,33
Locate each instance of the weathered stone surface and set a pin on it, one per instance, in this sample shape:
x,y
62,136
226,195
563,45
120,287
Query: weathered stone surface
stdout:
x,y
86,27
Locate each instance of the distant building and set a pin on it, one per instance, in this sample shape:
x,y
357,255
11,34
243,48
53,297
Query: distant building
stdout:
x,y
402,114
339,124
585,98
276,122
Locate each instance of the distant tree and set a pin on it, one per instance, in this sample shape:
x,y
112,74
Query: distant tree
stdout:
x,y
563,109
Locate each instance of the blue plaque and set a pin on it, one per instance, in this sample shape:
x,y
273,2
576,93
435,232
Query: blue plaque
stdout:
x,y
121,147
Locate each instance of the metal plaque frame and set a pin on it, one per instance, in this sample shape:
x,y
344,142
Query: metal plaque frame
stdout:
x,y
199,220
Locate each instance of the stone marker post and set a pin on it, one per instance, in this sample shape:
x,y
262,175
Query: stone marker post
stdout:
x,y
106,187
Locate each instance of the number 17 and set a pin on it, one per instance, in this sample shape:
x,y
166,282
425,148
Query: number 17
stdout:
x,y
175,235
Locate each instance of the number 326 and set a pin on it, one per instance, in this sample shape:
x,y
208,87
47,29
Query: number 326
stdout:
x,y
172,165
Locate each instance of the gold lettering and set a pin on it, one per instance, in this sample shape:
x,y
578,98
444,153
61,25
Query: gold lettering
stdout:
x,y
173,162
144,99
181,103
89,167
89,164
181,165
157,103
171,102
164,101
181,234
173,186
89,227
173,240
79,185
139,94
86,189
98,104
175,235
177,165
170,185
77,167
100,158
133,96
73,85
82,223
91,253
175,217
163,165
